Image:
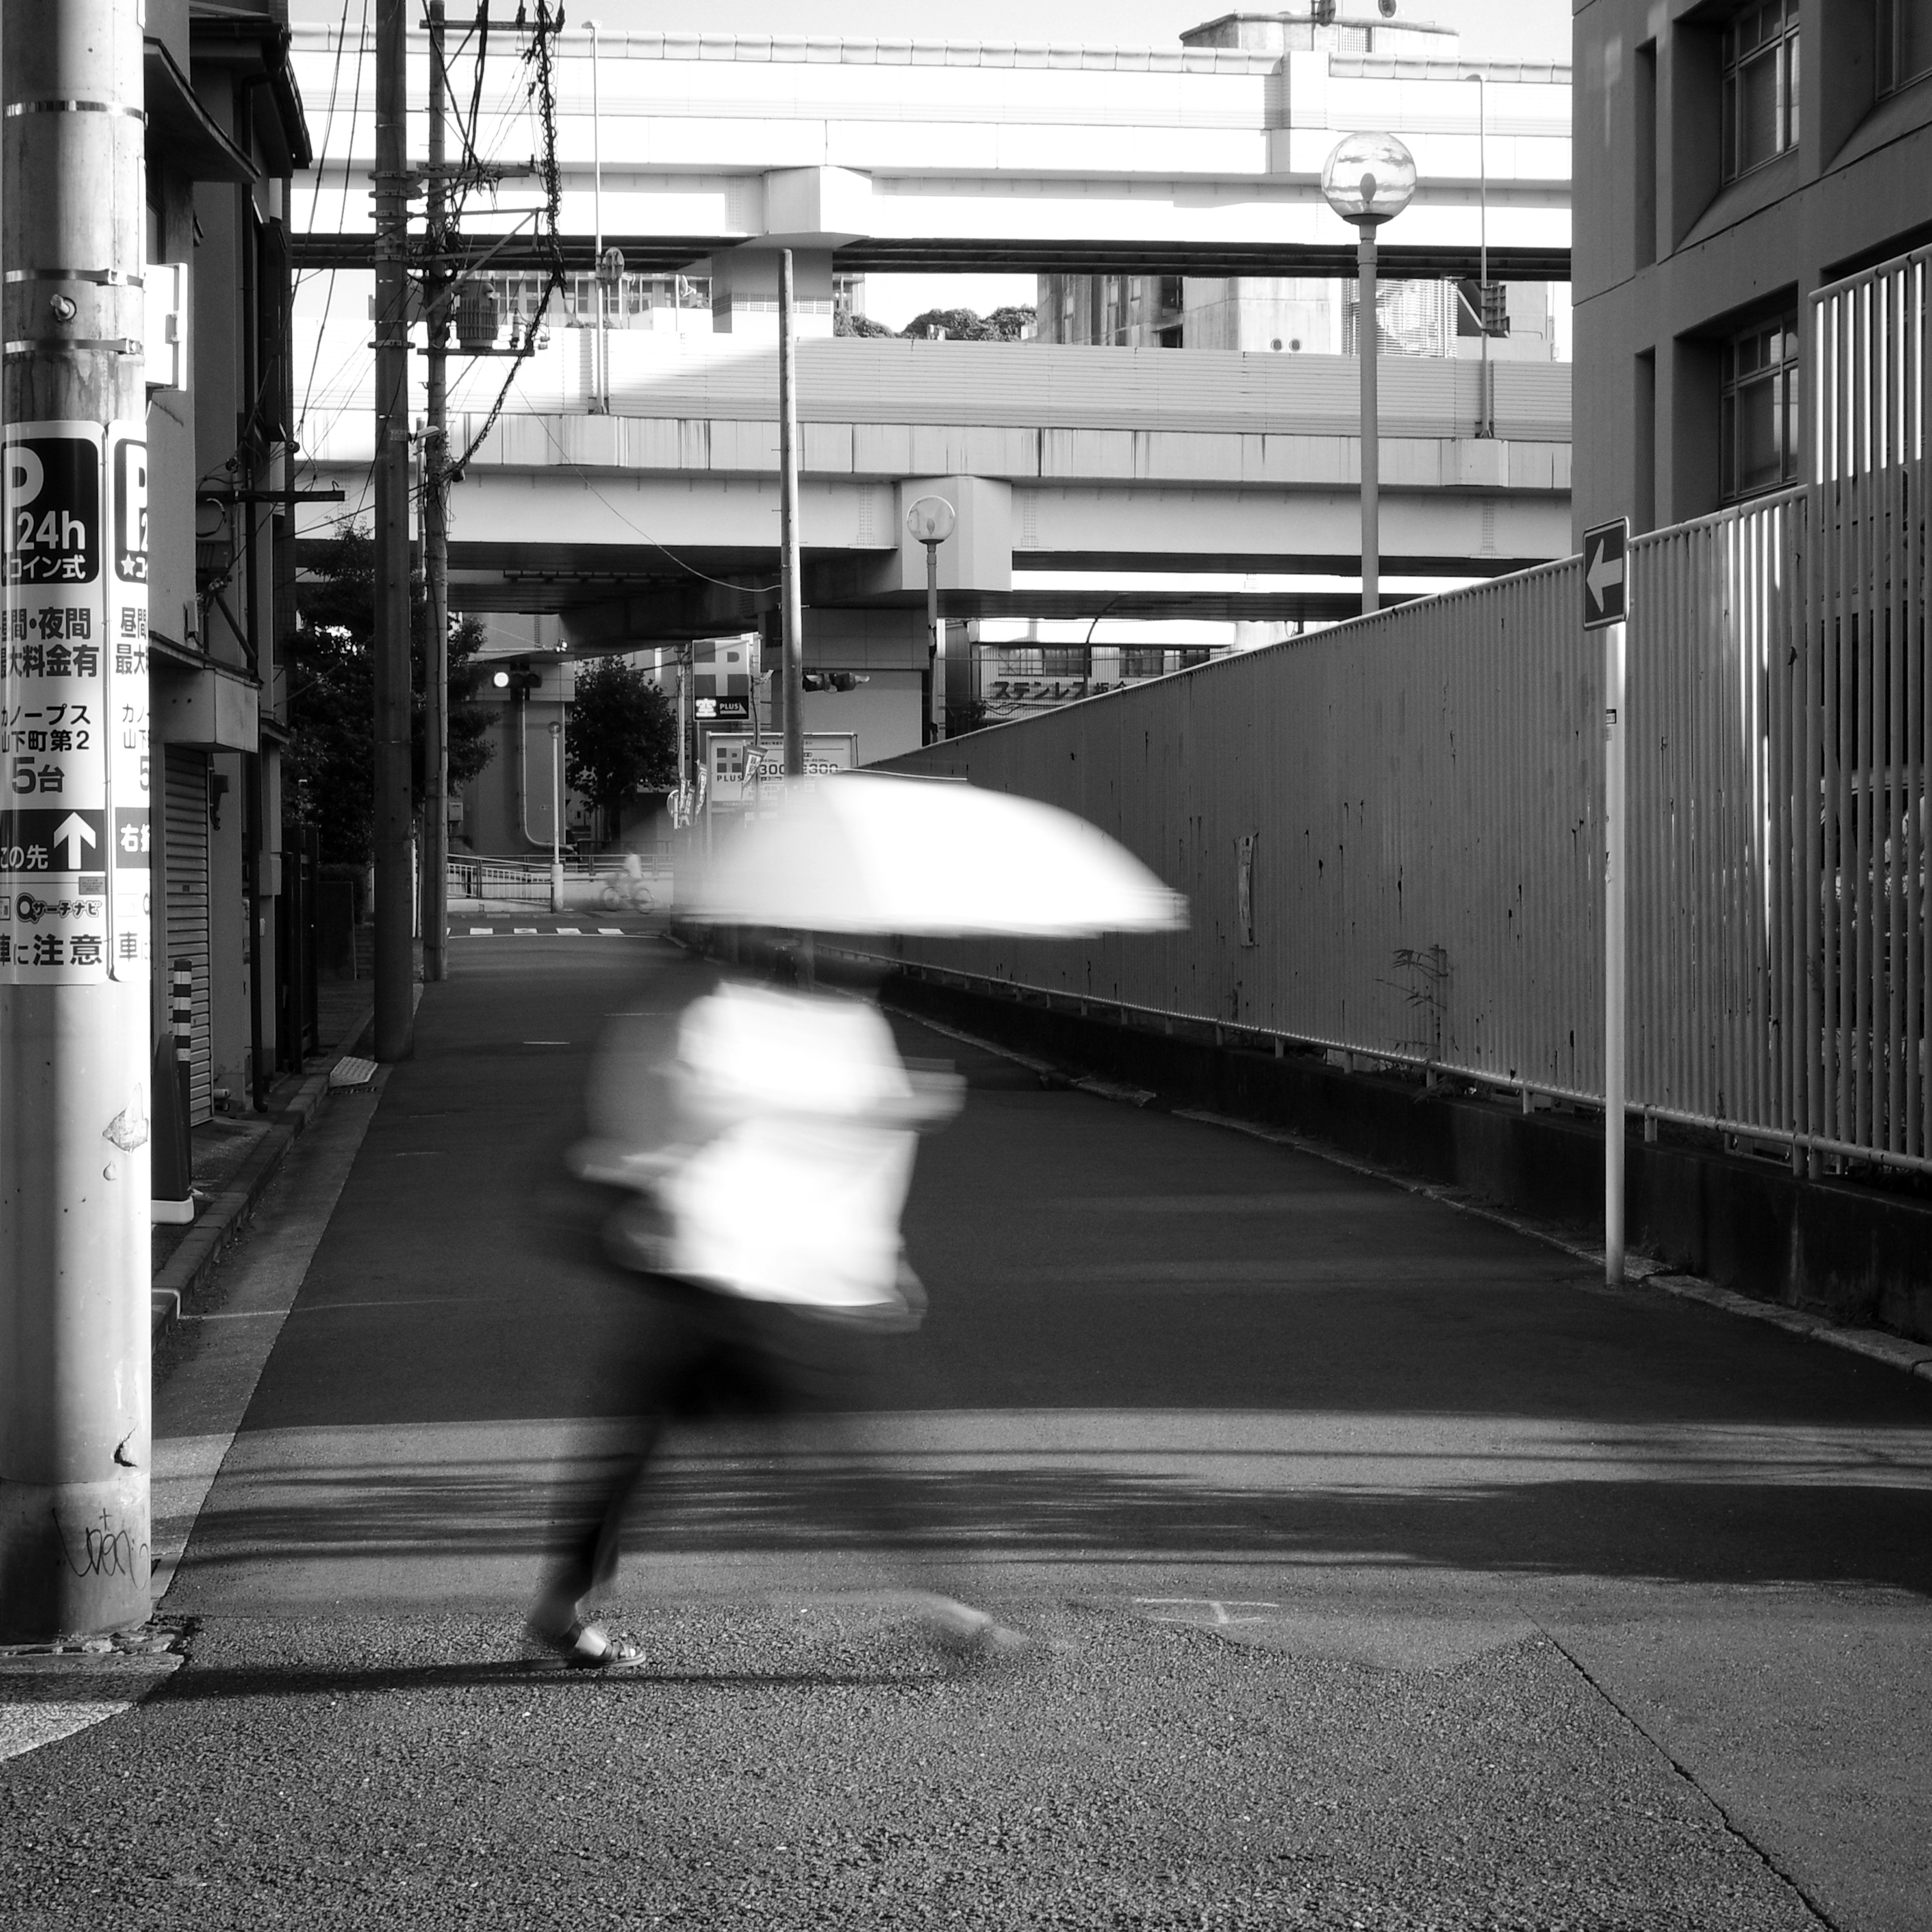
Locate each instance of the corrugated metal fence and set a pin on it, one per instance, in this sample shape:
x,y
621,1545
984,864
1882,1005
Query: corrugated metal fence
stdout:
x,y
1391,834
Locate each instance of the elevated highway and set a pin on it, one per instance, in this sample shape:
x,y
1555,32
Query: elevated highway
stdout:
x,y
718,149
659,518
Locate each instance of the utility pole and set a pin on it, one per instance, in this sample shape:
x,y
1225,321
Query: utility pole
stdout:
x,y
393,906
435,526
75,1112
790,615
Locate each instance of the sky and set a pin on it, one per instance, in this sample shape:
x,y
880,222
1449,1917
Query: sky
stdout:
x,y
1529,30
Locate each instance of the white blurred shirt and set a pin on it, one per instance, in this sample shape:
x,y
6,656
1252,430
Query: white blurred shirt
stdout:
x,y
803,1113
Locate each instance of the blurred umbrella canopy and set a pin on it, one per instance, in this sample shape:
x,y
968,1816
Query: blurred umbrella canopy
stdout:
x,y
864,852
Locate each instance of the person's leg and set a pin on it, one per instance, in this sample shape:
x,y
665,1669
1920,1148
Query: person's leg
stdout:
x,y
664,1344
840,1369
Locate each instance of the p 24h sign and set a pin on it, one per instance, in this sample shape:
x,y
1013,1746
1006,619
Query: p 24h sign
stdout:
x,y
1605,578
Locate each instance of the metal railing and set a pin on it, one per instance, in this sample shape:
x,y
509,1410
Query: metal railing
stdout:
x,y
1390,832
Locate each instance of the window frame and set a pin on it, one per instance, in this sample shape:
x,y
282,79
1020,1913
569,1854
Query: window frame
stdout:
x,y
1781,47
1783,376
1886,25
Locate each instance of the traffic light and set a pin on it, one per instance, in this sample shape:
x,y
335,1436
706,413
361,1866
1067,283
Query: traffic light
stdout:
x,y
518,679
834,680
1495,309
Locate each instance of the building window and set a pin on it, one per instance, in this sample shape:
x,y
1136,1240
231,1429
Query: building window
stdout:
x,y
1172,297
1758,415
1760,85
1904,42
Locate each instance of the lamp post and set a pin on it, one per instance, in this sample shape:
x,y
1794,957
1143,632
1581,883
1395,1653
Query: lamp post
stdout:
x,y
556,815
931,519
1487,427
1368,180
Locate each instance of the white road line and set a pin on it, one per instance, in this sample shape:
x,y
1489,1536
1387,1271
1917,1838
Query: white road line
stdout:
x,y
611,931
482,931
575,931
518,932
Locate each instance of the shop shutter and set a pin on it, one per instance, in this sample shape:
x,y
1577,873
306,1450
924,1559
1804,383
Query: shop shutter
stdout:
x,y
186,934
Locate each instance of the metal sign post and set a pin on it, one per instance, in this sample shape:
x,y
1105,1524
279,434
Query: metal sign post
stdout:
x,y
1605,587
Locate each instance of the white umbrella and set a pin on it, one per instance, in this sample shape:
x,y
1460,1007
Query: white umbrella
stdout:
x,y
867,853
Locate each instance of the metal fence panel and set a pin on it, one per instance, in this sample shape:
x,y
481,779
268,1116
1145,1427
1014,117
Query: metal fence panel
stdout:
x,y
1390,832
1419,793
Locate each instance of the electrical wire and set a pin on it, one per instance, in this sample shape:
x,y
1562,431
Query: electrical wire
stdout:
x,y
723,583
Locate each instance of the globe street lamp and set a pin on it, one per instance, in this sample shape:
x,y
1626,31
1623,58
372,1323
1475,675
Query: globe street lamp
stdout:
x,y
932,520
1368,180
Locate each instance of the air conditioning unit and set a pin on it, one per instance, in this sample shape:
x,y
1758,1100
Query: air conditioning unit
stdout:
x,y
164,339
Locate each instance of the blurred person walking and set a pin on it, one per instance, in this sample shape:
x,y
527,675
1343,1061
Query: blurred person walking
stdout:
x,y
767,1131
765,1135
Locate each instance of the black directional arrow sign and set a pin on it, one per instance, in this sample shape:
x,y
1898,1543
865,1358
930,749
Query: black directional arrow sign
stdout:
x,y
1604,581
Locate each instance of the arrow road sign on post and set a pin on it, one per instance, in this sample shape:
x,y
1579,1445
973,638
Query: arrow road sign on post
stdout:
x,y
1603,578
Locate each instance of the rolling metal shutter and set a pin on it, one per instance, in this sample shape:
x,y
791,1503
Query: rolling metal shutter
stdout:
x,y
187,918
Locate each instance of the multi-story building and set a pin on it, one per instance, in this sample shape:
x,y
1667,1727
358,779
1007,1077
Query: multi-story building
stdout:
x,y
1730,159
226,135
1303,314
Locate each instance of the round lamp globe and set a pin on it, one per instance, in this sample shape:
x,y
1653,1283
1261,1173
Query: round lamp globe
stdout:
x,y
1369,178
931,519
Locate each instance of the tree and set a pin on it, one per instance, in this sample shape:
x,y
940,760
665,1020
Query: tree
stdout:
x,y
965,325
843,324
330,766
623,740
957,325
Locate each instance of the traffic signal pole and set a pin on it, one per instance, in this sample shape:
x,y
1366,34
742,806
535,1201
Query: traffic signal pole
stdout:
x,y
75,956
393,819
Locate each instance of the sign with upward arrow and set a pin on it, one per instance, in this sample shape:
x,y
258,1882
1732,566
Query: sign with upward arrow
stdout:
x,y
78,836
1603,574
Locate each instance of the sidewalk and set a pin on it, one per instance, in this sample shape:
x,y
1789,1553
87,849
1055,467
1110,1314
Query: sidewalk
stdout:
x,y
235,1156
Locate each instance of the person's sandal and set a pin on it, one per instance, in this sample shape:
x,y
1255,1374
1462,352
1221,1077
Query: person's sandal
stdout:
x,y
584,1645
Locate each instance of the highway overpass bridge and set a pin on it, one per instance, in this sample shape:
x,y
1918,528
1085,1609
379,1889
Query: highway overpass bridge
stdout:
x,y
718,149
658,518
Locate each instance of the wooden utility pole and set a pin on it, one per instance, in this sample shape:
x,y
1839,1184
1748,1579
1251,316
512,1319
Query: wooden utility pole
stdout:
x,y
435,526
75,1108
395,899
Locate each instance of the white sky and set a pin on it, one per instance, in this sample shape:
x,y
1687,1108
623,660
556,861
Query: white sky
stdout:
x,y
1529,30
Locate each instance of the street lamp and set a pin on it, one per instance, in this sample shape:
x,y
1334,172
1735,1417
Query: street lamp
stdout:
x,y
1368,180
556,815
932,520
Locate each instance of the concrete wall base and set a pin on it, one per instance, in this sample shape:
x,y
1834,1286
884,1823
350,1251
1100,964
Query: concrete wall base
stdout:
x,y
1851,1253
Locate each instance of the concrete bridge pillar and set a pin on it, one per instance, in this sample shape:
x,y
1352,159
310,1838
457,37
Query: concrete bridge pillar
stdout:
x,y
745,291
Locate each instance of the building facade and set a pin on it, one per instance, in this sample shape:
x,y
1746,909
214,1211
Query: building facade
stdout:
x,y
226,137
1730,159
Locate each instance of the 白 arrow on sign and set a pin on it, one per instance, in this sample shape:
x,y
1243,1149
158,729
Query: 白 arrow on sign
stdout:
x,y
76,834
1603,571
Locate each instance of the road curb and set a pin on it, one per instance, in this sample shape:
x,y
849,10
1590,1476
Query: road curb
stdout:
x,y
186,1272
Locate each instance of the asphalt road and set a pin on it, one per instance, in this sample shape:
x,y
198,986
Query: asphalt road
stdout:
x,y
1384,1571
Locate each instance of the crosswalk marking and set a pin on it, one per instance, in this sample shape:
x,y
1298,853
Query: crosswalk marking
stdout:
x,y
544,932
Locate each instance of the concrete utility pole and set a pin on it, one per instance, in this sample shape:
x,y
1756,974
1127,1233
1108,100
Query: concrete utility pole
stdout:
x,y
75,955
436,528
791,616
394,899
